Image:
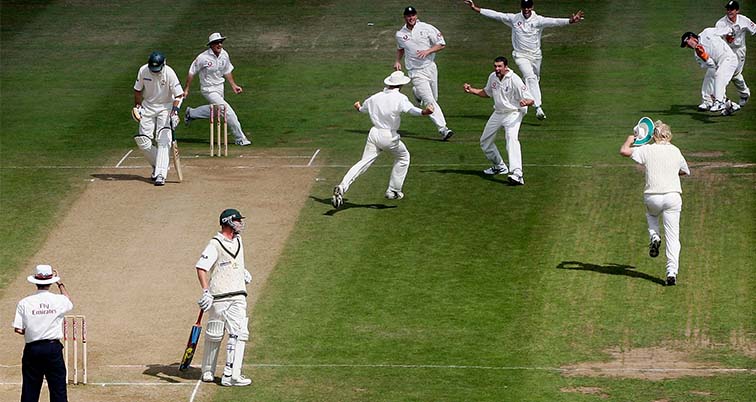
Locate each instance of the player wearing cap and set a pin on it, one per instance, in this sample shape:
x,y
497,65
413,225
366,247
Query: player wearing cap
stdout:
x,y
664,165
214,68
527,27
157,95
418,43
511,100
385,109
713,54
738,25
224,278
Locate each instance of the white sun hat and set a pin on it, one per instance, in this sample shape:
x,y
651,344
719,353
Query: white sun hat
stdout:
x,y
644,131
214,37
396,78
43,276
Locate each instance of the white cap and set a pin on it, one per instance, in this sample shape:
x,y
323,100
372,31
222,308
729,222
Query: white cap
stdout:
x,y
43,276
396,78
214,37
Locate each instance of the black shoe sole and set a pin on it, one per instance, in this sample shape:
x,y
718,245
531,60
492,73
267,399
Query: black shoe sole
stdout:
x,y
671,281
653,249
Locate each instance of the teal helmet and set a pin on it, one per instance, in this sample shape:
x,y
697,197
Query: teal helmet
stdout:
x,y
232,218
156,61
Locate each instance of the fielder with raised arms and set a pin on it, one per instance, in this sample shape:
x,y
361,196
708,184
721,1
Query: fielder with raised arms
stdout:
x,y
738,25
157,97
224,278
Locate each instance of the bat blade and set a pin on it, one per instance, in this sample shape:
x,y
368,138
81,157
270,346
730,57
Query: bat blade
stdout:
x,y
177,160
191,345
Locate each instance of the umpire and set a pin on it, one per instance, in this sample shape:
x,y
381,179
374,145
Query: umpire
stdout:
x,y
39,319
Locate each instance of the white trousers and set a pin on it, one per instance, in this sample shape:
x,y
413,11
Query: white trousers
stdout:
x,y
157,129
381,140
232,311
714,86
667,207
531,74
425,88
510,121
216,98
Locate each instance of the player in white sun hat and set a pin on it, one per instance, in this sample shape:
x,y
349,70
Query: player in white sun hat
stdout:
x,y
739,25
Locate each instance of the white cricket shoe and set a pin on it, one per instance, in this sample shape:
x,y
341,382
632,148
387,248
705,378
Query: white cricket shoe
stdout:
x,y
243,142
516,179
208,376
743,100
540,115
717,107
159,180
241,381
704,106
446,133
337,200
187,118
394,195
730,108
500,169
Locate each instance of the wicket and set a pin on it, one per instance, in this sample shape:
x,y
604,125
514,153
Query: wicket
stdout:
x,y
218,113
70,321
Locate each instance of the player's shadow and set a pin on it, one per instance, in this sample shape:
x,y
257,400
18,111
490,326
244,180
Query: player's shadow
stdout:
x,y
496,178
609,269
348,205
121,177
171,373
683,110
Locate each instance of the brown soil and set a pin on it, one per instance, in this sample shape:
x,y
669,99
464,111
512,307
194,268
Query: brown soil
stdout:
x,y
126,251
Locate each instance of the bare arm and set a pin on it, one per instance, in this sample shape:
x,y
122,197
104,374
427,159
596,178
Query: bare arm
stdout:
x,y
626,149
19,331
137,98
237,89
398,62
475,91
472,6
203,280
577,17
188,84
61,286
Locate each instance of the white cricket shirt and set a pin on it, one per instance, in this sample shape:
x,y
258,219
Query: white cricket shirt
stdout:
x,y
663,164
211,70
158,89
422,37
507,92
526,32
739,28
227,256
41,315
716,47
385,108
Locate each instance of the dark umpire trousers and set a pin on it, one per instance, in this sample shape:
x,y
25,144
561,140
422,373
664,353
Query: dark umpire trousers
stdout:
x,y
43,359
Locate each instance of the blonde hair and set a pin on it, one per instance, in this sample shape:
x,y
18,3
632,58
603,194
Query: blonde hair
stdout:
x,y
662,132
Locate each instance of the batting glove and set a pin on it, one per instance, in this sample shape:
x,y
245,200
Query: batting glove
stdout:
x,y
206,300
247,276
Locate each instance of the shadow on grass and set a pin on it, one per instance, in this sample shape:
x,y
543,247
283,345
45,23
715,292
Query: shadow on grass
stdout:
x,y
121,177
170,372
477,173
348,205
690,110
609,269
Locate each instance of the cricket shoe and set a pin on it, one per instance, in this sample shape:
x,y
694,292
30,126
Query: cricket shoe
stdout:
x,y
704,106
743,100
499,169
653,246
516,179
159,180
394,195
241,381
337,200
208,376
671,280
540,115
730,108
717,106
187,118
243,142
446,133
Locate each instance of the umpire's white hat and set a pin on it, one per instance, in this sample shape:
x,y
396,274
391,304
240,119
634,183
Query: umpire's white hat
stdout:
x,y
215,37
43,276
396,79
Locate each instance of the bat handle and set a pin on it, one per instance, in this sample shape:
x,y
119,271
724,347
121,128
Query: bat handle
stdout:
x,y
199,317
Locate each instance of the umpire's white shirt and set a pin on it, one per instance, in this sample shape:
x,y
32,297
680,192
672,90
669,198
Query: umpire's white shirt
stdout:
x,y
422,37
158,89
663,164
507,92
526,32
41,315
738,28
385,108
211,70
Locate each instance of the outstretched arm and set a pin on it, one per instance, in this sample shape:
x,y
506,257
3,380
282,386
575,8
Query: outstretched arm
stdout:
x,y
626,150
475,91
472,6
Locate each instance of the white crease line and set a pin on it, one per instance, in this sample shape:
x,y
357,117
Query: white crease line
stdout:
x,y
122,384
196,388
124,158
313,157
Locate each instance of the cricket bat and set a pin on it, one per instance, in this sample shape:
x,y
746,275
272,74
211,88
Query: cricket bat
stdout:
x,y
191,345
175,150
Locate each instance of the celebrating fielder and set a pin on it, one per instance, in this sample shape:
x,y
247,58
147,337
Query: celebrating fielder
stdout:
x,y
418,43
527,28
713,54
224,280
214,68
157,96
511,100
738,25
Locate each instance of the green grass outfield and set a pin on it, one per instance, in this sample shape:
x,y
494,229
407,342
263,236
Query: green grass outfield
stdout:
x,y
467,289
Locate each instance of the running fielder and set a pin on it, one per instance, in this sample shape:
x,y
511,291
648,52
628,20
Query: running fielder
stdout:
x,y
157,96
738,25
527,28
224,280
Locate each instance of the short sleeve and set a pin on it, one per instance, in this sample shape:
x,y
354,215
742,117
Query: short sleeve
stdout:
x,y
639,155
18,320
208,257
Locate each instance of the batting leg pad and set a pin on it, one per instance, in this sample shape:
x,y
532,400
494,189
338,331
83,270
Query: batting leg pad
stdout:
x,y
214,330
210,355
145,144
162,159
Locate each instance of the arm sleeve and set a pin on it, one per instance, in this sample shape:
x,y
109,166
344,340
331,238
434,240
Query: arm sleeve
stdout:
x,y
548,22
18,320
208,257
138,84
749,25
195,67
639,155
437,38
229,67
522,89
504,18
684,165
176,89
407,107
67,305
